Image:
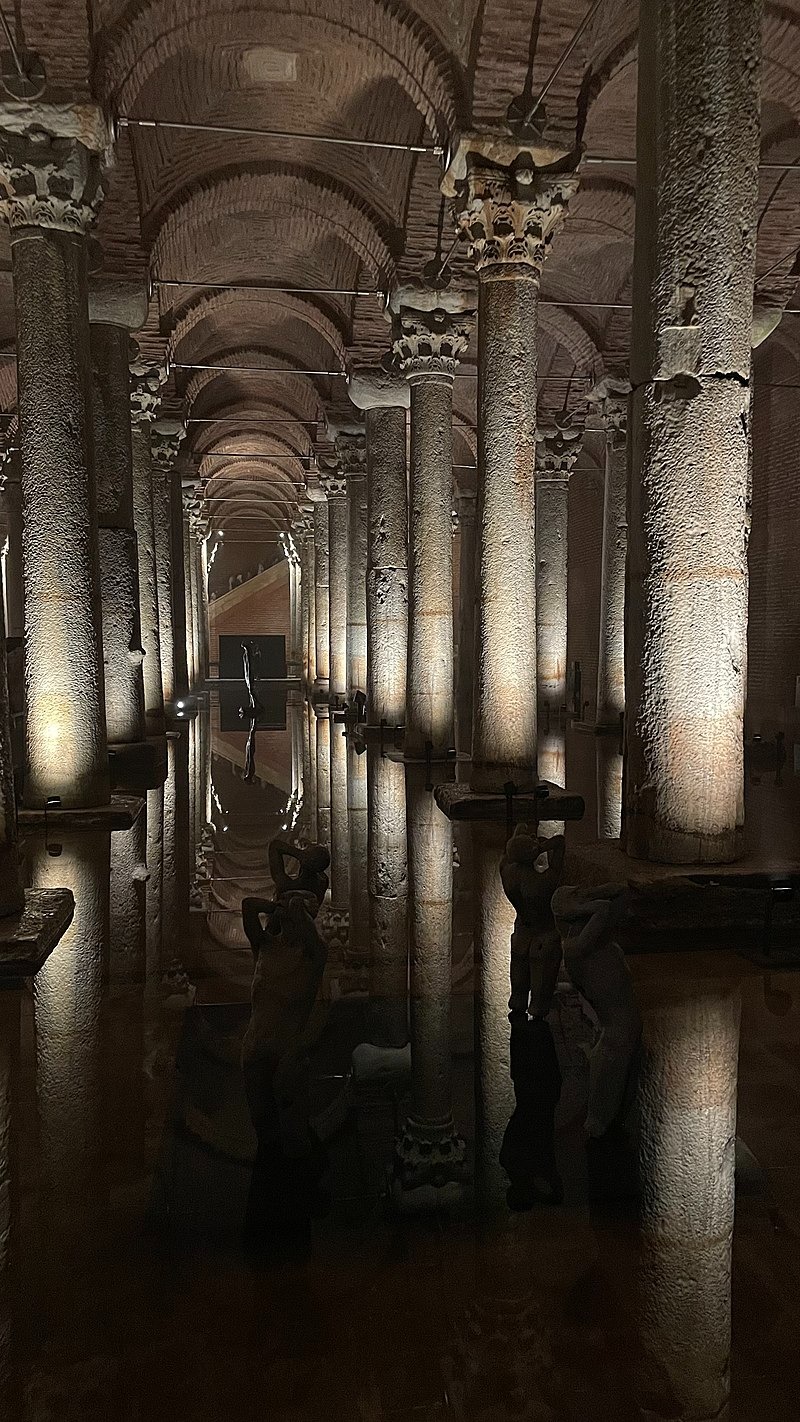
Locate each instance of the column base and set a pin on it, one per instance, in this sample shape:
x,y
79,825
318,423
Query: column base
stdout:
x,y
545,802
334,925
429,1167
120,813
28,938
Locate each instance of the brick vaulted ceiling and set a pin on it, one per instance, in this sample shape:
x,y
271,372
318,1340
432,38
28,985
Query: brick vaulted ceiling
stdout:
x,y
206,208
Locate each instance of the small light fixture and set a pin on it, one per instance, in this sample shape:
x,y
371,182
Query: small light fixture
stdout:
x,y
180,705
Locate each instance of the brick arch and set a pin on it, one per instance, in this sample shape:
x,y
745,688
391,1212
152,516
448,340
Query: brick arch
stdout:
x,y
236,308
388,38
321,207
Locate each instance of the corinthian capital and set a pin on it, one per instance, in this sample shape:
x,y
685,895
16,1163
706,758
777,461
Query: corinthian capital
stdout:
x,y
332,478
53,160
557,449
610,398
509,199
166,439
147,379
431,329
351,452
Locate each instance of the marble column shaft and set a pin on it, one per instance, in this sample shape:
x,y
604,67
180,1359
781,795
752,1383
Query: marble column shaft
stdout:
x,y
387,869
146,381
509,214
694,260
387,565
557,452
119,560
322,654
166,438
357,583
429,340
611,648
338,573
467,583
50,190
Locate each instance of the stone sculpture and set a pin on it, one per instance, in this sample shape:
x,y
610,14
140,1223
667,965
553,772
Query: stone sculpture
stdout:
x,y
596,966
530,871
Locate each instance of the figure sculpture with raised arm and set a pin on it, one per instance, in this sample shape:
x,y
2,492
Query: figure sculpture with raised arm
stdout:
x,y
530,870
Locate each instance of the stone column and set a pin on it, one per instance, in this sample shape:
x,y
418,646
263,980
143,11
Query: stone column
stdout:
x,y
166,441
385,399
432,331
556,453
189,587
322,741
610,399
510,201
335,487
429,1153
305,543
352,451
340,834
359,944
146,382
294,660
50,190
11,492
467,582
115,309
322,655
694,256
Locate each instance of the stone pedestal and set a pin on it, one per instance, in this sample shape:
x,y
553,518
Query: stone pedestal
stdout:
x,y
146,382
509,202
431,332
385,399
686,620
50,190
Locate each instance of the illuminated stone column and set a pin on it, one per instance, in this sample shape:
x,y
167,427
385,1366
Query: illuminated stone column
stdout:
x,y
335,486
201,555
50,190
166,439
294,554
610,399
310,773
556,452
11,502
609,786
494,1092
190,592
694,257
687,1095
431,332
146,382
429,1153
384,400
322,654
465,678
308,630
387,868
115,309
509,203
352,451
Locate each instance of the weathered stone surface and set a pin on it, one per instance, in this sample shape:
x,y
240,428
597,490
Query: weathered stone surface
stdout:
x,y
387,572
28,937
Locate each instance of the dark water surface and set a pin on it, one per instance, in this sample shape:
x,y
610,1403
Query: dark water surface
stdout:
x,y
127,1149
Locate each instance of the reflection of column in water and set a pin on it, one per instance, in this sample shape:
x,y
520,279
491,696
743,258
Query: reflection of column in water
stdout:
x,y
552,765
323,761
494,1093
429,1151
688,1133
128,896
388,900
294,713
309,731
357,833
10,1006
175,892
124,1026
340,845
609,787
155,882
67,1002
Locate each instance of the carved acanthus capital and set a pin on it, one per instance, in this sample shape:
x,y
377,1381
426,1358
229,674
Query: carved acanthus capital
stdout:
x,y
430,342
609,397
509,200
332,478
165,441
351,451
557,449
302,527
53,161
147,379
